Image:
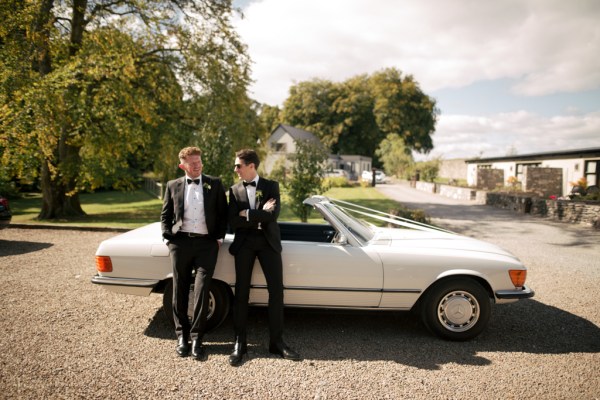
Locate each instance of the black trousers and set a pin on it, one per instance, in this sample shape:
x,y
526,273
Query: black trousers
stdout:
x,y
189,254
256,246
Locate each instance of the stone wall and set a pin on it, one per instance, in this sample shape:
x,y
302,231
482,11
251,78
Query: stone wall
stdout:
x,y
510,201
525,203
490,179
458,193
577,212
567,211
453,192
543,181
425,186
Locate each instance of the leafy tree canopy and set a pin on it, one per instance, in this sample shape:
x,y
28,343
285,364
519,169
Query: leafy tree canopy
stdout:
x,y
354,116
395,156
92,92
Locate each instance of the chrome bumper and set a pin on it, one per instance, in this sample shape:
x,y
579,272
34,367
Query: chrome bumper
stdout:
x,y
140,287
524,293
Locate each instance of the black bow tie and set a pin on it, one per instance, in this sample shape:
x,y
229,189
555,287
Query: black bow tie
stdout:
x,y
253,183
196,181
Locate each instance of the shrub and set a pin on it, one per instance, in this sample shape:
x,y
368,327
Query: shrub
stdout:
x,y
335,181
417,215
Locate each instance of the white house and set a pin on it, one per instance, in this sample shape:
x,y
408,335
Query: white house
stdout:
x,y
575,164
282,143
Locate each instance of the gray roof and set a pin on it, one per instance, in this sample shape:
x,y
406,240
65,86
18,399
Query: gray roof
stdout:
x,y
550,155
295,133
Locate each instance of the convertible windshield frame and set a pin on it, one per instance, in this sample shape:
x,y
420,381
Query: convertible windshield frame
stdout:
x,y
360,230
340,214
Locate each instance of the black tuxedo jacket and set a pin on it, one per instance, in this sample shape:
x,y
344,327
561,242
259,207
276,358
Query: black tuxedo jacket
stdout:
x,y
238,200
215,206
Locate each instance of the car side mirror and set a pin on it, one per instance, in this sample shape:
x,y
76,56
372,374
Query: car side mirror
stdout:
x,y
342,239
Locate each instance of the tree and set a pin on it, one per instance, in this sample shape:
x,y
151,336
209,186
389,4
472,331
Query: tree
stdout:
x,y
90,89
428,170
310,106
396,157
354,116
357,130
306,175
401,107
270,117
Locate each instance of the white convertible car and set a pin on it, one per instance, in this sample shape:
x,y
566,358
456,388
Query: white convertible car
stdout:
x,y
346,263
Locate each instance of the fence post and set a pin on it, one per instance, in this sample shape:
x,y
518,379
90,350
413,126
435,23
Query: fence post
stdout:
x,y
153,187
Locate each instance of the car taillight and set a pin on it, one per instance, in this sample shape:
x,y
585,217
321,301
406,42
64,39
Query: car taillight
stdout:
x,y
518,276
103,264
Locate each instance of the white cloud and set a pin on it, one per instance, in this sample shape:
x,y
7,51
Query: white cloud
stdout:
x,y
544,46
550,45
463,136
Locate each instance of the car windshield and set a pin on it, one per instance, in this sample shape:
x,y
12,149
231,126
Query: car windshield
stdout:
x,y
357,227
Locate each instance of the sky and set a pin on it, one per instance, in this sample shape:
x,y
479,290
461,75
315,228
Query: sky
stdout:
x,y
508,76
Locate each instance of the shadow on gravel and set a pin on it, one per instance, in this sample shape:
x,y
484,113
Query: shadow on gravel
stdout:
x,y
14,247
528,327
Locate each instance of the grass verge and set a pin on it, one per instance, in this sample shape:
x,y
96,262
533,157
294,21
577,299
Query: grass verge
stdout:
x,y
113,209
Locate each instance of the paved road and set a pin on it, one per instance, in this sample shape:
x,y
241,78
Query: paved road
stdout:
x,y
490,223
450,212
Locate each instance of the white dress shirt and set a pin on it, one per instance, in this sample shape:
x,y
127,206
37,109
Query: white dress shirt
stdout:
x,y
251,193
194,220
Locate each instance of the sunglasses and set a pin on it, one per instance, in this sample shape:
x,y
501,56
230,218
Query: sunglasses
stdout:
x,y
237,166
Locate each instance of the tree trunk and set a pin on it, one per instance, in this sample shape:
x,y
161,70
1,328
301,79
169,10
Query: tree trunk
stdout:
x,y
59,198
59,172
56,204
41,28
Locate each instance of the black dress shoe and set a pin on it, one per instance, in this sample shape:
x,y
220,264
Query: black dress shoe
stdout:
x,y
198,350
284,351
239,349
183,347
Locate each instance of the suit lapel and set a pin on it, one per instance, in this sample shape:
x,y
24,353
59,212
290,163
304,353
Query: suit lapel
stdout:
x,y
261,192
178,197
206,184
180,194
242,195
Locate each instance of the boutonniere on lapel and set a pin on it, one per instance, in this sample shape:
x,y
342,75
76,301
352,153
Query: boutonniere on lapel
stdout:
x,y
206,186
259,195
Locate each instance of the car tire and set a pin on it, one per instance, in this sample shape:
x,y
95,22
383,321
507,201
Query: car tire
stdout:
x,y
219,303
456,309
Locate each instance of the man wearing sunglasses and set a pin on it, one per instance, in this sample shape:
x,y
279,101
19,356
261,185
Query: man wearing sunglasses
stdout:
x,y
254,205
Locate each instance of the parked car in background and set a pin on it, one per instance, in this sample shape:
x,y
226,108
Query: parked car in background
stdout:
x,y
5,214
380,177
450,280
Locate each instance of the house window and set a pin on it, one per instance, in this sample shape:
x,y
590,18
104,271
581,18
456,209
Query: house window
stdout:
x,y
279,147
521,168
591,172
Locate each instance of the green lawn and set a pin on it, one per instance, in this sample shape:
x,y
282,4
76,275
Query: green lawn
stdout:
x,y
364,196
104,209
134,209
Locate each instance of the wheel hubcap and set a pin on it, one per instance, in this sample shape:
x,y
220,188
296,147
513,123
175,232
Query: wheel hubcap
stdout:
x,y
211,304
458,311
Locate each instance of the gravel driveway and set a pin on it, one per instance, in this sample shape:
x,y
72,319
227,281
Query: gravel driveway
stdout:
x,y
62,337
